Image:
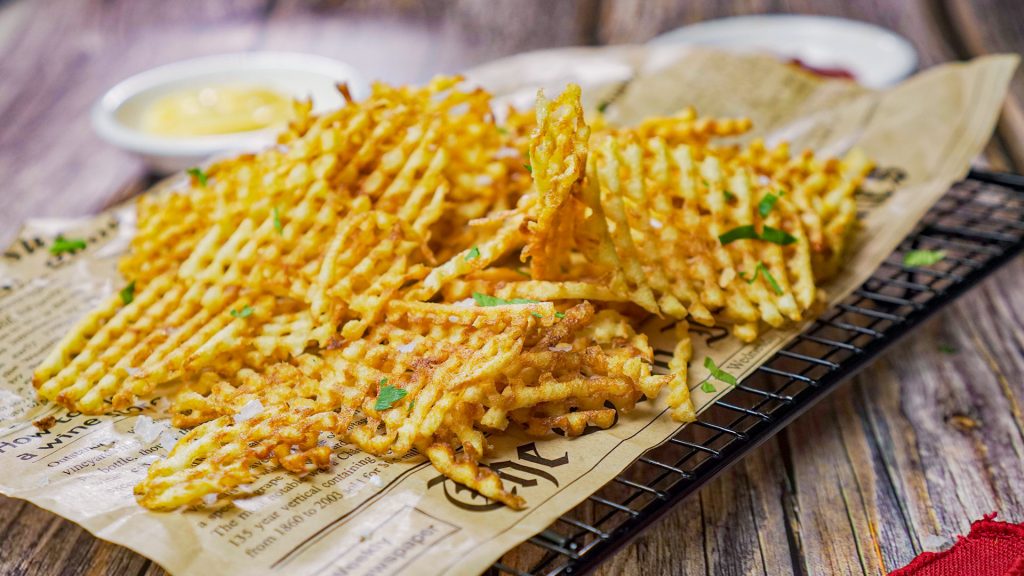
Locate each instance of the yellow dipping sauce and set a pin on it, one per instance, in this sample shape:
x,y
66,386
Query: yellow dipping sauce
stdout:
x,y
216,110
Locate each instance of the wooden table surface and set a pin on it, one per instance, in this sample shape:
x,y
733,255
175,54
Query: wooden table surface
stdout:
x,y
896,463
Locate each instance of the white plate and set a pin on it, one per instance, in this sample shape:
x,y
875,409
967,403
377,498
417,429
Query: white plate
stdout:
x,y
116,115
875,56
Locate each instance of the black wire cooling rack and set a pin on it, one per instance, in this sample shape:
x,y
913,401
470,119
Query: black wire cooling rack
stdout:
x,y
979,224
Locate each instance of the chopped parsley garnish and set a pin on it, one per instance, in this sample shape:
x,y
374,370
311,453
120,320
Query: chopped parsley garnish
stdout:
x,y
536,314
916,258
387,396
199,175
277,220
473,253
559,314
529,168
771,281
412,405
729,196
128,293
763,270
487,300
603,106
502,130
767,203
708,387
748,232
776,236
717,373
62,245
706,183
245,312
523,272
947,349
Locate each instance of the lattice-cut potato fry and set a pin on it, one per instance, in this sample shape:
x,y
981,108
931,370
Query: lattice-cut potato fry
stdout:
x,y
364,280
558,158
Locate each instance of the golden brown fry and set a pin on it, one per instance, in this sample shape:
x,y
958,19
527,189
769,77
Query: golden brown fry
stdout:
x,y
364,281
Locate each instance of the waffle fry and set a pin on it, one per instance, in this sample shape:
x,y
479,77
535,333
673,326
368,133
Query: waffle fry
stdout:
x,y
406,275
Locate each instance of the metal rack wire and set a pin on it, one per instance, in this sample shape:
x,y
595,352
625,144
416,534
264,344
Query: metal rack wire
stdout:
x,y
979,223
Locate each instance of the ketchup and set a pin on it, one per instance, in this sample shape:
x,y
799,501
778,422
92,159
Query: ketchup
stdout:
x,y
823,71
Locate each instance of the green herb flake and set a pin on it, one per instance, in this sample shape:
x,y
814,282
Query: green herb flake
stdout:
x,y
387,396
529,168
412,405
559,314
708,387
763,271
536,314
523,272
717,373
919,258
277,220
62,245
473,253
603,106
245,312
729,196
128,293
771,280
764,208
747,232
776,236
706,183
487,300
502,130
947,349
199,175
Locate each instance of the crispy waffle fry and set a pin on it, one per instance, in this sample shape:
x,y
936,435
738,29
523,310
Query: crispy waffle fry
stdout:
x,y
365,280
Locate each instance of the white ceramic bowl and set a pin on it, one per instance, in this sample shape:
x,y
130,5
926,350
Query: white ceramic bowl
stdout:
x,y
875,56
116,115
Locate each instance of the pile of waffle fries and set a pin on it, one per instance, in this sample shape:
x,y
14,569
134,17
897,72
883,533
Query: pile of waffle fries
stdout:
x,y
408,274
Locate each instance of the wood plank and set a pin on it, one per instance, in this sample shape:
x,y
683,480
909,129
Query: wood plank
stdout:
x,y
54,68
842,451
920,445
632,21
38,542
412,41
994,26
735,525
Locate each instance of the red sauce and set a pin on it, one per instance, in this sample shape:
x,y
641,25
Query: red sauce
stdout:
x,y
823,71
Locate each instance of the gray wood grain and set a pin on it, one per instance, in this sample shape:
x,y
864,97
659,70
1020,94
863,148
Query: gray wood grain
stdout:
x,y
897,462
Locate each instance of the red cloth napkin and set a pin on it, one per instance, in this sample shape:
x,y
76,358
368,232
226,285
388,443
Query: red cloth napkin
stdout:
x,y
991,549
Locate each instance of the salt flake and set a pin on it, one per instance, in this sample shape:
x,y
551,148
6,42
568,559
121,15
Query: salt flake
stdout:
x,y
252,409
406,348
168,440
147,430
